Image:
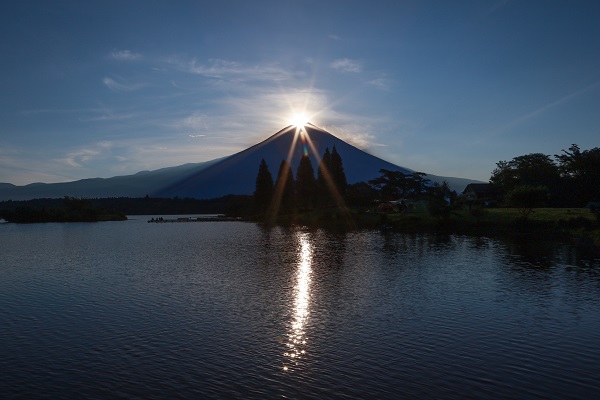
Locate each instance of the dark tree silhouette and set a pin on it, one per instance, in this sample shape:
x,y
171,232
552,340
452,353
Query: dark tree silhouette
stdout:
x,y
323,179
360,194
284,188
439,204
416,183
526,197
393,185
580,172
337,172
263,192
306,185
531,169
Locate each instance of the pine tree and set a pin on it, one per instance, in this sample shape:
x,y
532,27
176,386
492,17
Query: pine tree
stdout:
x,y
306,185
263,193
323,177
284,188
337,172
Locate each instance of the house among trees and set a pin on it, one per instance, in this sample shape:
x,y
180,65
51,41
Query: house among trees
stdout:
x,y
483,193
395,206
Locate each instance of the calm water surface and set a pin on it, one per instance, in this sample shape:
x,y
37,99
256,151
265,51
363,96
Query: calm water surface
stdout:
x,y
233,310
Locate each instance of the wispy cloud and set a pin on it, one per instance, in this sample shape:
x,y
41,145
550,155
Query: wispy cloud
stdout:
x,y
558,102
125,55
334,37
248,102
346,65
380,83
81,156
121,86
545,108
356,134
103,113
23,167
232,70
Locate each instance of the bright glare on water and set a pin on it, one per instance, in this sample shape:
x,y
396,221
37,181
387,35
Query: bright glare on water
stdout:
x,y
233,310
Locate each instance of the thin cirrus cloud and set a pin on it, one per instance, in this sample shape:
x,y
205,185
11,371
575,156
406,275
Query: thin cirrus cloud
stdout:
x,y
125,55
540,110
223,69
23,170
120,86
77,158
380,83
346,65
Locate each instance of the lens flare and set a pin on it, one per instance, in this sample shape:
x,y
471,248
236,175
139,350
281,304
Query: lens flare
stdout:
x,y
299,119
304,143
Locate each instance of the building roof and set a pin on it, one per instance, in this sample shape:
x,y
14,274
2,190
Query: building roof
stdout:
x,y
479,188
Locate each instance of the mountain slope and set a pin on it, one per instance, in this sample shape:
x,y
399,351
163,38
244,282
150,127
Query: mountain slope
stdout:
x,y
137,185
237,174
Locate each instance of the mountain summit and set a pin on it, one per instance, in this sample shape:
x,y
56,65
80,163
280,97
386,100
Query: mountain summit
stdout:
x,y
235,174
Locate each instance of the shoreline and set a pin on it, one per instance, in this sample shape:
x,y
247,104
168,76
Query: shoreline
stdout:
x,y
579,227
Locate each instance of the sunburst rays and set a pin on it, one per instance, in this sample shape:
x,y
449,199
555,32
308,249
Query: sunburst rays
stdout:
x,y
308,148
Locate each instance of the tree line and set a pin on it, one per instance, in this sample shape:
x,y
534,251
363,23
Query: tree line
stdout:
x,y
569,179
71,209
304,191
329,188
230,204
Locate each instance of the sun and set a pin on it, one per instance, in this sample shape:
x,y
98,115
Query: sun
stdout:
x,y
299,119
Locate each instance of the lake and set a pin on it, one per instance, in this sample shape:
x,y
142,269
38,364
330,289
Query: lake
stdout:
x,y
234,310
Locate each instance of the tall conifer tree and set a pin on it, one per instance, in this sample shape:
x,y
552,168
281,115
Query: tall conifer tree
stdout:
x,y
263,192
337,172
284,187
324,191
306,185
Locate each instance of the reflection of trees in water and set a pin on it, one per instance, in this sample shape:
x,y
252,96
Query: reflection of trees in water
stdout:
x,y
331,248
547,267
358,274
537,252
529,252
480,243
396,244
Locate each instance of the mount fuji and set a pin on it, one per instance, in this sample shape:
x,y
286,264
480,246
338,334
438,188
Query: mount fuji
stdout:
x,y
235,174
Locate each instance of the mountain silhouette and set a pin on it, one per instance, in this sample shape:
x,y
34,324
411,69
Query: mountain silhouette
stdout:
x,y
235,174
136,185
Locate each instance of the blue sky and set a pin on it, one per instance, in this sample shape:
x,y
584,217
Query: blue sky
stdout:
x,y
103,88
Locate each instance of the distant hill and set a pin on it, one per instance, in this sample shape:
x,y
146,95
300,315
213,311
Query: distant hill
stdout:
x,y
137,185
235,174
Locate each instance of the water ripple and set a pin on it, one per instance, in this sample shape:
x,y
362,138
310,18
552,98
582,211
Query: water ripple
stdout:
x,y
136,310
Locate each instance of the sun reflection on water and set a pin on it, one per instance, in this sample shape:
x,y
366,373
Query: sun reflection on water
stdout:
x,y
296,338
